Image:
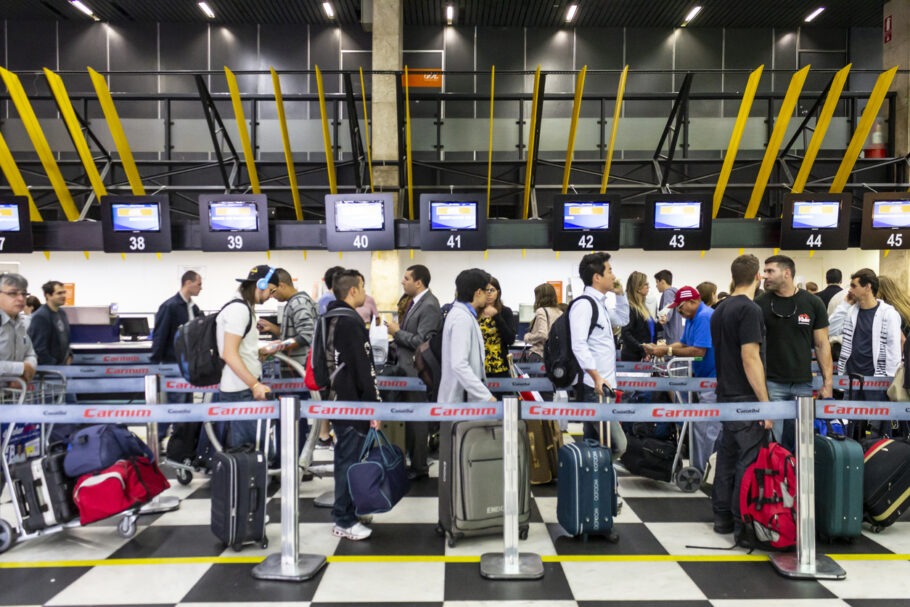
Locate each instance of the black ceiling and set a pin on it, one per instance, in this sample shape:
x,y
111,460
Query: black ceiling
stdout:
x,y
510,13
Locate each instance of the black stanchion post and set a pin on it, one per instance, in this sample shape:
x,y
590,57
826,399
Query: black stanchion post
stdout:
x,y
510,564
289,565
805,564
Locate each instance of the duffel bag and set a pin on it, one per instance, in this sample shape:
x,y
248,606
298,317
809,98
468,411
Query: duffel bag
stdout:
x,y
118,488
97,448
379,479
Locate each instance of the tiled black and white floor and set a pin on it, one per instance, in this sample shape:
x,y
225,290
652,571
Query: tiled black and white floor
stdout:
x,y
174,560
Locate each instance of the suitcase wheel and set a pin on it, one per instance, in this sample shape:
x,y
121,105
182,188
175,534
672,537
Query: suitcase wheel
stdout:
x,y
451,541
264,544
523,534
877,528
127,526
184,477
688,479
7,536
237,546
439,530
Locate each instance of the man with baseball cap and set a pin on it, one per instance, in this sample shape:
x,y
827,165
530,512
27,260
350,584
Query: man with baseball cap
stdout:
x,y
695,342
238,345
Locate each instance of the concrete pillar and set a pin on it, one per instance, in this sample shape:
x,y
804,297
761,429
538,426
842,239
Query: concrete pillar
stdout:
x,y
386,271
387,47
897,52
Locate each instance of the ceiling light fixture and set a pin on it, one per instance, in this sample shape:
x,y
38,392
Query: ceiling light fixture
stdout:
x,y
815,14
692,14
207,10
450,14
570,14
82,8
329,11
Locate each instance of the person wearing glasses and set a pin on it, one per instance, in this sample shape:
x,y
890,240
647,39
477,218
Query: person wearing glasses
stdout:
x,y
238,345
796,322
497,324
17,356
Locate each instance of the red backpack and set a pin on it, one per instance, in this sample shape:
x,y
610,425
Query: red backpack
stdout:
x,y
767,499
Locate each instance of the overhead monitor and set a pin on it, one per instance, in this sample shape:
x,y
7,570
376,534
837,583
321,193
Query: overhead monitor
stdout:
x,y
886,221
15,225
815,222
135,224
453,222
676,223
359,222
234,222
585,223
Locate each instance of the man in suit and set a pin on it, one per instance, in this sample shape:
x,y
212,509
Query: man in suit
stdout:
x,y
463,376
421,320
49,329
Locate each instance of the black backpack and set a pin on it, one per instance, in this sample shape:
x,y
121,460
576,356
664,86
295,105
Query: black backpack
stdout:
x,y
324,341
196,347
559,361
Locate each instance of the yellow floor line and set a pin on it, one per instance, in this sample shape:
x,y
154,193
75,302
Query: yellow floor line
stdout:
x,y
581,558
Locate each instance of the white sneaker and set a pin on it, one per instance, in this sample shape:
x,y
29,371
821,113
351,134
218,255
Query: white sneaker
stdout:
x,y
358,532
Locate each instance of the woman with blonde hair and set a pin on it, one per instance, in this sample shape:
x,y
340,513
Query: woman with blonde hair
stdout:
x,y
545,314
642,328
890,293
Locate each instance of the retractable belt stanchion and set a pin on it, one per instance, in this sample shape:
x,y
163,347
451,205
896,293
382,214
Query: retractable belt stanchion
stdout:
x,y
805,563
289,565
161,503
510,564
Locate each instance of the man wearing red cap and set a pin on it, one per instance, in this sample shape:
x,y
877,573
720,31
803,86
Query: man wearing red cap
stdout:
x,y
695,342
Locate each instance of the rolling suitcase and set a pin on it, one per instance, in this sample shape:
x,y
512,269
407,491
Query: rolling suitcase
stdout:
x,y
44,492
886,481
838,487
586,489
649,457
545,439
471,480
239,482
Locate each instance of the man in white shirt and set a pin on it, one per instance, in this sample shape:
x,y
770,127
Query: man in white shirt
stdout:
x,y
591,326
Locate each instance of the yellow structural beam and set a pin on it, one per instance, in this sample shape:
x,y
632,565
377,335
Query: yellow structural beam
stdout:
x,y
490,145
329,160
75,129
113,123
14,178
777,137
248,153
366,128
736,137
286,141
617,110
39,141
862,130
528,167
821,127
576,109
407,123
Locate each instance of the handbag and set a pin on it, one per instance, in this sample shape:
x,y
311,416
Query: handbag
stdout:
x,y
896,391
379,480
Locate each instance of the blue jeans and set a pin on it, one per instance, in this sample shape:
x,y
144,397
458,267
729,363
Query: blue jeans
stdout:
x,y
348,444
618,440
242,432
785,433
704,434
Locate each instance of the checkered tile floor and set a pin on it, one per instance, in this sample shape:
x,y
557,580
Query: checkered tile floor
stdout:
x,y
656,520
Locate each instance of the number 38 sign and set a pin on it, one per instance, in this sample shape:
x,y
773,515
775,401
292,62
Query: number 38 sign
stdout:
x,y
135,224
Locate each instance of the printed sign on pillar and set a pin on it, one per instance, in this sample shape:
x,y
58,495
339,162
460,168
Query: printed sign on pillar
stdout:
x,y
888,29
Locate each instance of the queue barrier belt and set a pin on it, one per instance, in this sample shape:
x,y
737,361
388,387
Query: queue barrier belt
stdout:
x,y
862,409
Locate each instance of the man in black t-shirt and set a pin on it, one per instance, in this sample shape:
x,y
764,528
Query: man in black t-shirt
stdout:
x,y
796,322
738,335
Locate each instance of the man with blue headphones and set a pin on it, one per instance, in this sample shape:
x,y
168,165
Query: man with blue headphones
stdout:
x,y
238,345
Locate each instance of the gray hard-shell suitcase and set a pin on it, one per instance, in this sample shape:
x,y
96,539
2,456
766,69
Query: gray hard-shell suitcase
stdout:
x,y
471,479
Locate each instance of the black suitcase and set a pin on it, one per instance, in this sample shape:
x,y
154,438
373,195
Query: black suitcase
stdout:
x,y
886,481
239,480
44,492
649,457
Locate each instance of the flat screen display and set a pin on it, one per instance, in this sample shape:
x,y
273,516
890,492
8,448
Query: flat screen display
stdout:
x,y
814,215
130,217
586,216
9,218
357,216
233,217
891,214
677,215
447,215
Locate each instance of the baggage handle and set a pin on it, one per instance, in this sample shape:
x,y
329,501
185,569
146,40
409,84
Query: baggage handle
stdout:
x,y
608,397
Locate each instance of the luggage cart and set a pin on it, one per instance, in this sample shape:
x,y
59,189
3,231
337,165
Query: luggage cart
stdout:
x,y
47,388
687,478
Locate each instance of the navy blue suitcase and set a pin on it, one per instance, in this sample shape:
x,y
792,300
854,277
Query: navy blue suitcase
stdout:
x,y
586,489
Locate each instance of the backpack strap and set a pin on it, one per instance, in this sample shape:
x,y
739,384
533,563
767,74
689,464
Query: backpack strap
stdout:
x,y
595,313
249,324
